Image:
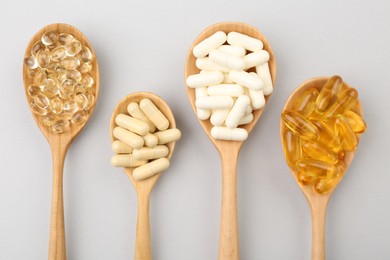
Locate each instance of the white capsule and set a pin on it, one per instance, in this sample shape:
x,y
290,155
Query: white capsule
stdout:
x,y
150,169
257,98
150,140
227,60
136,112
219,116
226,79
203,114
207,65
167,136
120,147
129,138
249,109
126,160
263,72
237,112
233,90
249,43
255,58
233,50
132,124
214,102
231,134
148,153
154,114
204,79
246,119
204,47
243,78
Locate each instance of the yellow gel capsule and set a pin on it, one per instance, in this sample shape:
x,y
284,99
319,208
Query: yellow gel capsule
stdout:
x,y
49,38
305,180
33,90
299,125
345,101
43,59
292,148
319,151
355,121
329,93
60,126
326,135
305,104
314,168
79,117
345,133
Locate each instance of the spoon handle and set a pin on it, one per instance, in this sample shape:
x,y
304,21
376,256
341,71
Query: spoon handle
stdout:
x,y
318,215
228,238
142,244
57,248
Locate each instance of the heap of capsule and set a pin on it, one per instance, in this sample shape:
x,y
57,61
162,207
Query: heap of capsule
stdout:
x,y
141,139
234,77
322,127
62,88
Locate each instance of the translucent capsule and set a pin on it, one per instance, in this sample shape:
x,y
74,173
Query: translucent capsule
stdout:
x,y
66,88
73,47
31,73
43,59
73,74
292,148
56,105
345,133
65,38
70,63
40,77
87,80
58,53
70,106
299,125
85,54
79,88
50,87
329,93
80,117
355,121
314,169
81,100
31,62
36,109
306,103
60,126
90,98
41,101
33,90
304,179
65,115
345,101
319,151
323,186
327,135
49,38
85,67
49,119
37,47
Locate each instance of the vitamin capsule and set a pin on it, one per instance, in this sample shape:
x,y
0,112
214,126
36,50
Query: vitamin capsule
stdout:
x,y
37,110
207,65
214,102
49,119
203,114
305,180
49,38
79,117
85,67
204,47
154,114
204,79
262,71
50,87
150,140
219,116
306,103
70,106
329,93
247,80
231,134
233,50
56,105
132,124
237,112
60,126
66,88
355,121
168,136
255,58
87,80
249,109
126,160
345,101
150,169
257,98
136,112
345,133
291,147
73,47
148,153
33,90
323,186
43,59
314,168
299,125
31,62
40,77
246,119
70,63
249,43
227,60
58,53
233,90
41,101
327,135
90,98
338,170
226,79
319,152
37,47
85,54
65,38
129,138
81,100
120,147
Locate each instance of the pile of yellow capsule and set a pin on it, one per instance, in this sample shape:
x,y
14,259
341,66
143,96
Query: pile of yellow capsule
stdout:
x,y
320,128
62,88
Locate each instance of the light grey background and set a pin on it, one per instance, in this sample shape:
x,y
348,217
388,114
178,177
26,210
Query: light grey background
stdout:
x,y
141,46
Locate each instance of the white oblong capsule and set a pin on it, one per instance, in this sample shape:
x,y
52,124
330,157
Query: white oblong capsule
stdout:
x,y
257,98
120,147
203,114
225,59
150,140
249,109
126,160
207,65
219,116
148,153
237,112
246,119
136,112
255,58
233,90
154,114
249,43
226,79
204,47
204,79
233,50
231,134
132,124
264,74
133,140
167,136
214,102
243,78
150,169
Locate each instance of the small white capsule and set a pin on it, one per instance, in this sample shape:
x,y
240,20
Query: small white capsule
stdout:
x,y
150,169
233,90
126,160
148,153
249,43
243,78
231,134
150,140
246,119
204,47
129,138
228,60
255,58
120,147
219,116
154,114
132,124
167,136
204,79
257,98
226,79
263,72
136,112
203,114
237,112
249,109
233,50
207,65
214,102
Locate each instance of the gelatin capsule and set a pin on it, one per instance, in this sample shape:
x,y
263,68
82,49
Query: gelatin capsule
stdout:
x,y
73,47
31,73
31,62
305,180
327,135
154,114
85,67
70,63
73,74
58,53
65,38
136,112
40,77
319,151
79,88
231,134
214,41
291,147
43,59
345,133
33,90
314,168
306,103
167,136
56,105
299,125
249,43
81,100
87,80
66,88
126,160
219,116
90,98
227,60
70,106
49,38
65,115
132,124
346,100
37,47
148,153
323,186
129,138
120,147
50,87
150,169
80,117
85,54
329,93
60,126
37,110
150,140
49,119
237,112
41,101
355,121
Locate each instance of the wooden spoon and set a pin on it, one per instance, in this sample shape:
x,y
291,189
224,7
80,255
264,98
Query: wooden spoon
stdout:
x,y
318,203
143,187
228,150
59,143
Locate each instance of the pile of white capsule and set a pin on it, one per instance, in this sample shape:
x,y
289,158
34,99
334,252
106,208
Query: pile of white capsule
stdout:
x,y
142,138
226,91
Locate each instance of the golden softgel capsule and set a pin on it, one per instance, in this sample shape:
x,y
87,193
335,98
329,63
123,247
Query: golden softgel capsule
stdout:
x,y
307,102
355,121
319,151
299,125
329,93
292,148
345,133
